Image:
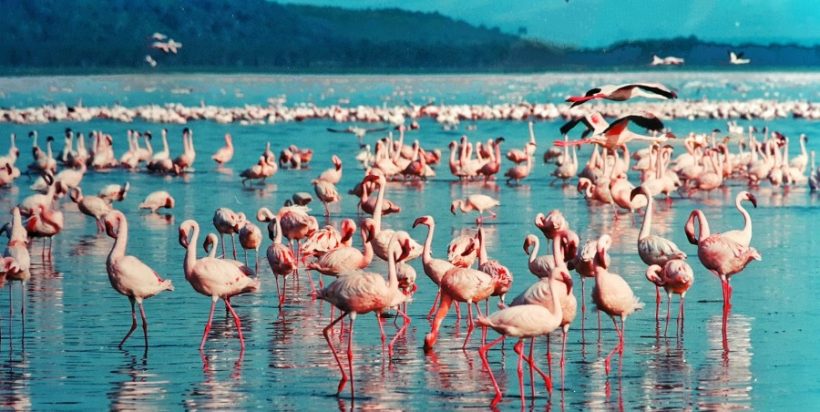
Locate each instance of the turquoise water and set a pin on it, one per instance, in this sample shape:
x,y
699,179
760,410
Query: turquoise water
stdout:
x,y
67,356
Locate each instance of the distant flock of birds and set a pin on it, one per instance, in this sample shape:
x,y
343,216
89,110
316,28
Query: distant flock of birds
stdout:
x,y
734,59
467,275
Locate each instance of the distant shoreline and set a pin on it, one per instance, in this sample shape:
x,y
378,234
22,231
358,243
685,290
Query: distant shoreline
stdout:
x,y
48,72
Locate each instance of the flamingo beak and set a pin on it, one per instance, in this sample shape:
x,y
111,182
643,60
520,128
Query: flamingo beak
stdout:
x,y
183,238
567,281
405,250
453,208
634,193
752,199
469,250
527,244
419,221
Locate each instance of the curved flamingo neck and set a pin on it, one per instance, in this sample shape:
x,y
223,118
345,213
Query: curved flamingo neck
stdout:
x,y
427,252
214,245
121,241
392,273
367,255
747,220
482,248
377,214
190,253
534,251
18,232
698,217
646,227
278,238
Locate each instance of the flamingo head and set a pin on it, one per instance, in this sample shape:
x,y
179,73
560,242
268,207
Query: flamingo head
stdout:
x,y
604,242
348,229
424,220
184,228
9,265
272,228
371,178
209,242
455,205
565,277
337,162
369,229
529,241
169,202
653,274
111,222
452,145
751,198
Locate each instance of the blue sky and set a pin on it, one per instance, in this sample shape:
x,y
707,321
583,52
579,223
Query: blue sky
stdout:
x,y
602,22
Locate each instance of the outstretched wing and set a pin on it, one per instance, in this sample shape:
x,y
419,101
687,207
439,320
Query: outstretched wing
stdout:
x,y
658,89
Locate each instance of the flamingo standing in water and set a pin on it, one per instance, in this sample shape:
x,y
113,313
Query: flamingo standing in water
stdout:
x,y
540,293
93,206
250,237
613,296
724,254
360,293
334,174
433,268
478,203
158,200
17,249
502,277
327,193
213,277
224,154
280,257
130,276
346,259
675,276
653,249
523,321
227,222
381,237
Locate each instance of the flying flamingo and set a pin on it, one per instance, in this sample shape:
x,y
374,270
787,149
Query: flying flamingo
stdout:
x,y
624,92
653,249
158,200
213,277
617,134
224,154
540,293
433,268
723,254
523,321
361,293
128,275
613,296
675,276
280,257
478,203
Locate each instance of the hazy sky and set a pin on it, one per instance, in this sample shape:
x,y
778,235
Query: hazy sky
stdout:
x,y
601,22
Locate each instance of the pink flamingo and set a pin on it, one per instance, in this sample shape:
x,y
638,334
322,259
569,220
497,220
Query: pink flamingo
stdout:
x,y
675,276
93,206
478,203
280,257
523,321
328,238
250,237
462,251
128,275
334,174
224,154
624,92
381,237
345,259
326,192
368,203
723,254
213,277
502,277
653,249
45,223
433,268
613,296
227,222
540,292
520,172
158,200
360,293
17,249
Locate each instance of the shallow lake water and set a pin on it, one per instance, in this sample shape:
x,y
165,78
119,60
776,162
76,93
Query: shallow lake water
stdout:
x,y
66,356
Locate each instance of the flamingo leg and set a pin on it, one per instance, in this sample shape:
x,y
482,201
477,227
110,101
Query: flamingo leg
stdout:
x,y
284,291
444,306
482,352
233,243
484,328
236,321
668,312
532,364
208,325
133,321
144,324
381,328
222,243
615,349
246,255
401,331
657,302
549,356
681,313
326,333
433,308
470,325
350,355
518,348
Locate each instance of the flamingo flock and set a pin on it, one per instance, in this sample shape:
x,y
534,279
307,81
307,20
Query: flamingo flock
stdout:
x,y
466,273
